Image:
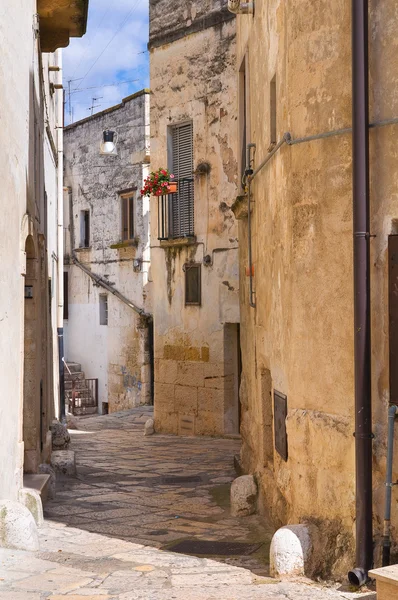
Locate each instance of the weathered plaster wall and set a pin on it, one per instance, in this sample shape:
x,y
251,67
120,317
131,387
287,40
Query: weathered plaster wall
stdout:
x,y
299,339
193,79
24,172
117,353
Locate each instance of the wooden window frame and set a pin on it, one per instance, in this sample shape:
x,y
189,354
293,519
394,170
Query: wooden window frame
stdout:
x,y
127,203
187,268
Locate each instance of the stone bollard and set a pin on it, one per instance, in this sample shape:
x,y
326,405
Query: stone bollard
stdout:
x,y
291,551
32,500
63,462
60,436
243,496
149,428
17,527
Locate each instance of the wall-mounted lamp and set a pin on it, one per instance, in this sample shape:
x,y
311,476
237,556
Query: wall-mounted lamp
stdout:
x,y
108,144
137,264
241,8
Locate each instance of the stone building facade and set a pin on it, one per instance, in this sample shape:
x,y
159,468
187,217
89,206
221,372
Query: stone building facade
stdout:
x,y
294,69
194,262
30,245
107,329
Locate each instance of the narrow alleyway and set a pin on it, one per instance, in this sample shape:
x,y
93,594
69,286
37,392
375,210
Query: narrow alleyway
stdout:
x,y
158,491
134,495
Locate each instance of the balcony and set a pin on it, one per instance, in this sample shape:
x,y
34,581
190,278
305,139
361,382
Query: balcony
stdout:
x,y
176,212
59,21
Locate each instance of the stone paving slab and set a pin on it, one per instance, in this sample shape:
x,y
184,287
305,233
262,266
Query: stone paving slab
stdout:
x,y
73,564
101,535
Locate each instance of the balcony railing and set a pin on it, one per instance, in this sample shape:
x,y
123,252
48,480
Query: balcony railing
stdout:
x,y
176,212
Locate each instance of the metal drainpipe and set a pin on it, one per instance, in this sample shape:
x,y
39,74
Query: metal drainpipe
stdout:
x,y
362,334
248,175
60,241
392,411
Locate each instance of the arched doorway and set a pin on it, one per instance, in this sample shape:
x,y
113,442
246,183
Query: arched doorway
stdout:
x,y
32,360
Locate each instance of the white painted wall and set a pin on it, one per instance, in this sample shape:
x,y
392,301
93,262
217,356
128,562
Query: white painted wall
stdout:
x,y
26,168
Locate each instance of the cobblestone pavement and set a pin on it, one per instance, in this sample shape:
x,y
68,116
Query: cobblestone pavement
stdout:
x,y
101,536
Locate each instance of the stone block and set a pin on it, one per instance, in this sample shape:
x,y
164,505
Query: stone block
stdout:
x,y
174,352
205,354
165,421
210,400
164,395
192,353
47,469
149,427
209,423
18,529
186,399
243,496
290,551
167,371
32,500
190,373
60,436
213,369
63,462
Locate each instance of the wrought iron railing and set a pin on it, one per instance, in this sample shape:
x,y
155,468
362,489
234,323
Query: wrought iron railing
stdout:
x,y
83,395
176,212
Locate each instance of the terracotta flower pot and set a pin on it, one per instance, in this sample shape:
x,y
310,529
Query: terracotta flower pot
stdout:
x,y
172,187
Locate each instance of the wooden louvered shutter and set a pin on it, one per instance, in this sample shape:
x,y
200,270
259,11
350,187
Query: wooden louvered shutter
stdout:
x,y
182,167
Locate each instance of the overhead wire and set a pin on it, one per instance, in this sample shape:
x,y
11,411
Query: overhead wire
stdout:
x,y
110,41
91,39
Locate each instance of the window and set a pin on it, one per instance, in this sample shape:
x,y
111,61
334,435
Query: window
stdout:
x,y
181,165
192,284
66,296
85,229
127,217
103,308
272,110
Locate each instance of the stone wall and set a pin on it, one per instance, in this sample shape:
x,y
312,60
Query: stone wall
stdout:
x,y
117,354
28,171
193,80
299,338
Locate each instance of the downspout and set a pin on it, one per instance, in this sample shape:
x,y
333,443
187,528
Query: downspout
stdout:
x,y
362,334
248,175
60,240
392,411
96,278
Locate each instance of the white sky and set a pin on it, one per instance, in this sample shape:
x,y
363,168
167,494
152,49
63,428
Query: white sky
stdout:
x,y
101,60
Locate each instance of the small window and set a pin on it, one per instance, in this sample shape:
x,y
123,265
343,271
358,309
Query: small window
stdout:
x,y
103,307
192,285
66,296
272,110
127,217
85,229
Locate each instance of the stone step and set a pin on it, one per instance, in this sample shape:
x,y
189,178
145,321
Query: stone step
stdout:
x,y
80,384
85,410
75,376
37,482
386,582
74,367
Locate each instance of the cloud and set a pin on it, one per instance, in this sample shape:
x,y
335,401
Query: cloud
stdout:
x,y
113,50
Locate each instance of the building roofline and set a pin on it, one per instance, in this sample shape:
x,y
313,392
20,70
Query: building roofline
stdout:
x,y
211,20
108,110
